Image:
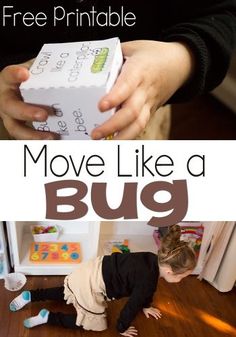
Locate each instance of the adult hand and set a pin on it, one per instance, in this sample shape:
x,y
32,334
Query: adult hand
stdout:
x,y
13,111
130,332
153,71
154,312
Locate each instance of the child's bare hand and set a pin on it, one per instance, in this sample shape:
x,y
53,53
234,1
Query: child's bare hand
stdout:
x,y
130,332
151,74
154,312
13,111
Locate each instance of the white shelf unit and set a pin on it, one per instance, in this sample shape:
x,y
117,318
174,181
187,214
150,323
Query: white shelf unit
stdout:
x,y
4,265
20,236
91,235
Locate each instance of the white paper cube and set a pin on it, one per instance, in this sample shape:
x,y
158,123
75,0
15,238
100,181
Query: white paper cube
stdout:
x,y
69,79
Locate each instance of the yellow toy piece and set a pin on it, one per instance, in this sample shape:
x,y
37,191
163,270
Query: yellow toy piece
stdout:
x,y
116,250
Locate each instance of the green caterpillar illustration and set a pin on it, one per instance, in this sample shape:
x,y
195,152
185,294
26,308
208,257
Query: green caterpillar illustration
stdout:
x,y
100,61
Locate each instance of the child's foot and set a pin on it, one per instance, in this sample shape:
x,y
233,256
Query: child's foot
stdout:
x,y
20,301
41,318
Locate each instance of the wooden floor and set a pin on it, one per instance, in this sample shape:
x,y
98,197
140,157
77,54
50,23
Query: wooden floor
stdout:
x,y
204,118
190,308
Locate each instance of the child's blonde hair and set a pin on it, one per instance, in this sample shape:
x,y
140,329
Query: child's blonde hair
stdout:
x,y
176,253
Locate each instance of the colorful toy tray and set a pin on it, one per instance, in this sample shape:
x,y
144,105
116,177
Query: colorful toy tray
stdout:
x,y
55,252
116,246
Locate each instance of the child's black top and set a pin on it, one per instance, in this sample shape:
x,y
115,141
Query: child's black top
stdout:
x,y
133,275
207,26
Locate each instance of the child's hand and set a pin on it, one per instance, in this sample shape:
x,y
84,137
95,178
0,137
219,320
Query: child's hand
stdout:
x,y
13,111
151,74
153,312
130,332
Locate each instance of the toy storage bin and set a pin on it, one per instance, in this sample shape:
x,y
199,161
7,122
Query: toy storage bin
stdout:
x,y
46,237
86,233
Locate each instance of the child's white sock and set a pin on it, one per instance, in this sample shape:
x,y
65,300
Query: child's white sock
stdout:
x,y
20,301
41,318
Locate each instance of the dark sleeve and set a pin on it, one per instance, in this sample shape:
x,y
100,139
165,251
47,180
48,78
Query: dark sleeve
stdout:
x,y
211,34
138,300
15,58
148,301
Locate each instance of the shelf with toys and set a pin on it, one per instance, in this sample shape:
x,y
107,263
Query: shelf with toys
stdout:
x,y
69,243
94,238
60,254
138,236
30,255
